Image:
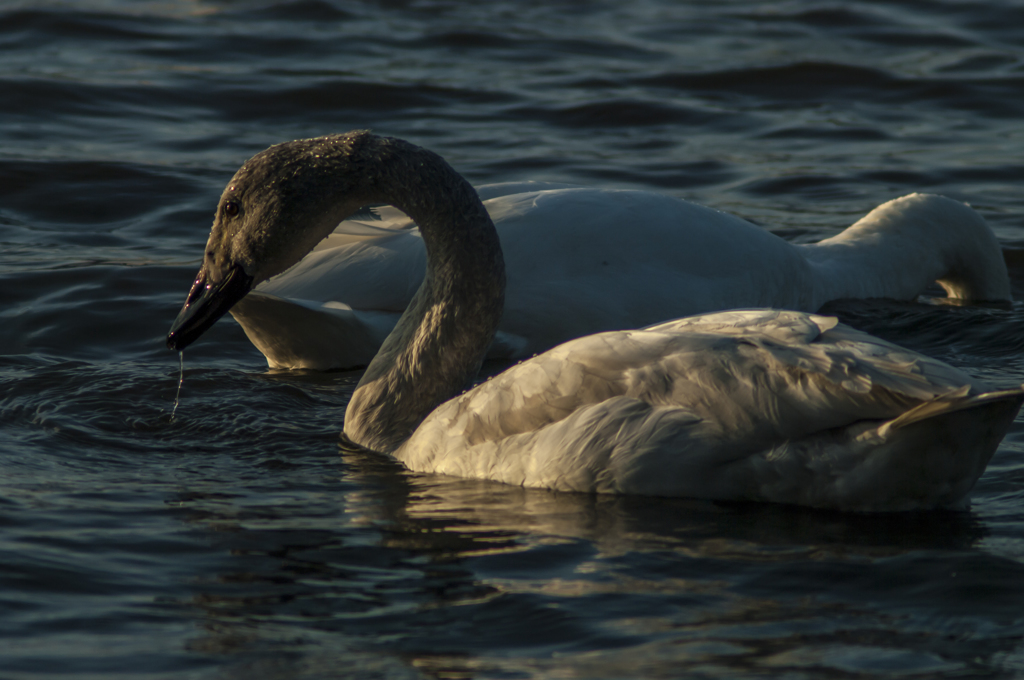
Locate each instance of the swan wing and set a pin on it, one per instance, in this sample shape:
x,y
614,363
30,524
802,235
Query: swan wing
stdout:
x,y
747,405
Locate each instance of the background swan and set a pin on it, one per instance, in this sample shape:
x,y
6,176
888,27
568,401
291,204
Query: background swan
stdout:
x,y
580,261
752,405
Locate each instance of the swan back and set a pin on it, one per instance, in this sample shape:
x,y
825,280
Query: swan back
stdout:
x,y
581,261
637,258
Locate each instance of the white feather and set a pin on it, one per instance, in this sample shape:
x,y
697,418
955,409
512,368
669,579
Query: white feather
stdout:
x,y
746,405
581,261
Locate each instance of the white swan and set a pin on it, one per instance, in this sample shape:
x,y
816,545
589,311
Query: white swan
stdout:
x,y
748,405
580,261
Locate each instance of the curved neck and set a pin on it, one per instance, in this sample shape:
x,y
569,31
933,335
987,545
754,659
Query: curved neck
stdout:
x,y
903,246
440,341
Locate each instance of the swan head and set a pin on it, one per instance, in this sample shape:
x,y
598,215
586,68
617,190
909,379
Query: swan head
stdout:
x,y
275,209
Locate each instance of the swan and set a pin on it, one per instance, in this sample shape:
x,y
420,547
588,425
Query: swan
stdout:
x,y
755,405
580,261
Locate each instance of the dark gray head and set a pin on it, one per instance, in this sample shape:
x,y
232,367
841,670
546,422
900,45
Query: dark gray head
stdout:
x,y
275,209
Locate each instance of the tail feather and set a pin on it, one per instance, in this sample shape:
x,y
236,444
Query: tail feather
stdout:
x,y
929,457
954,400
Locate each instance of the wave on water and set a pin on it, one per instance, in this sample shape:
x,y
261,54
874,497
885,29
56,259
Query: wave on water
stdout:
x,y
241,538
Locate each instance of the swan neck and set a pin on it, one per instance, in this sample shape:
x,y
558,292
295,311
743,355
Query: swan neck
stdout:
x,y
903,246
440,341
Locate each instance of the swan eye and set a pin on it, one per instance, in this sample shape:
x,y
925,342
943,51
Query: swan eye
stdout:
x,y
231,208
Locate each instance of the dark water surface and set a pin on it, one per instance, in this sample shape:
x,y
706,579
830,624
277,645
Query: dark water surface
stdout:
x,y
237,540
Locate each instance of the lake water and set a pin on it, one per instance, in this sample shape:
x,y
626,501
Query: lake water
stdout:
x,y
238,540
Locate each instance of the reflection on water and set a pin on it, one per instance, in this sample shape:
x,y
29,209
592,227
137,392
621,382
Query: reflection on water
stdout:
x,y
450,576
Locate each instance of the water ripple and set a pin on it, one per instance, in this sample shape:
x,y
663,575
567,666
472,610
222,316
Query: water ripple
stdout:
x,y
241,538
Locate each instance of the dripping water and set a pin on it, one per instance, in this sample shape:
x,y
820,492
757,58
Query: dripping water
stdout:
x,y
181,381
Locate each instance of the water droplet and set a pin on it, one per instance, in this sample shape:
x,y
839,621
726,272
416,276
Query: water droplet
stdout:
x,y
181,380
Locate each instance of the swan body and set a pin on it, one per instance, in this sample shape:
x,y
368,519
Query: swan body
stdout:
x,y
765,405
581,261
744,405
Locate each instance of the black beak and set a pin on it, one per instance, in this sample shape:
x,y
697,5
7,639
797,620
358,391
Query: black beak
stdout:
x,y
206,303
